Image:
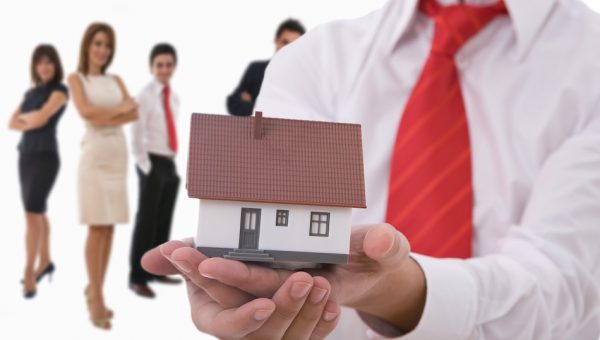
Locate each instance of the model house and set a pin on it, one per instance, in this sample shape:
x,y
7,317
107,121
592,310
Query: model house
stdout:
x,y
274,189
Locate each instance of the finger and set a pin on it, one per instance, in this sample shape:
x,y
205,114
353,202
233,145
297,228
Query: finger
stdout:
x,y
155,261
188,259
289,300
384,244
329,319
303,325
209,317
256,280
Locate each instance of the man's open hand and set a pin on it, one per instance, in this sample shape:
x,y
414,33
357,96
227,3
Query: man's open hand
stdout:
x,y
380,279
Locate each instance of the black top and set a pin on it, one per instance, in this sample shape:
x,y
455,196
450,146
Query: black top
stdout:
x,y
43,138
251,82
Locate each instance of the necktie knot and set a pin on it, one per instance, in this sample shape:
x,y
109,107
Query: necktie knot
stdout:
x,y
456,24
166,90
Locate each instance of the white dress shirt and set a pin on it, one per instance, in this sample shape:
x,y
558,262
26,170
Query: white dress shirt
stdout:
x,y
531,87
149,132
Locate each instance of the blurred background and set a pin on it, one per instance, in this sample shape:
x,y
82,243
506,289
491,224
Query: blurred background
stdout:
x,y
215,41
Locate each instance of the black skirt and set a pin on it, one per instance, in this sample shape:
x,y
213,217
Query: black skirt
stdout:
x,y
37,173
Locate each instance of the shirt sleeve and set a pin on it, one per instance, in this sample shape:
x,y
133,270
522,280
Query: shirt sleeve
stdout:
x,y
62,88
235,105
138,135
293,86
543,283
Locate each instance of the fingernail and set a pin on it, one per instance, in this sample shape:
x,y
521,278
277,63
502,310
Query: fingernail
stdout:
x,y
208,276
329,316
300,289
163,253
184,266
317,295
389,248
262,314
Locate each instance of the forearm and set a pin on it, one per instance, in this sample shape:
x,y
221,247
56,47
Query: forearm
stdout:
x,y
34,120
116,120
97,115
16,124
520,293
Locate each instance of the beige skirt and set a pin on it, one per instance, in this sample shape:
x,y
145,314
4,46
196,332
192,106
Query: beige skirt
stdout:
x,y
103,177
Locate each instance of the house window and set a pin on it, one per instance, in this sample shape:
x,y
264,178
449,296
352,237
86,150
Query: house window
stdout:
x,y
319,224
281,220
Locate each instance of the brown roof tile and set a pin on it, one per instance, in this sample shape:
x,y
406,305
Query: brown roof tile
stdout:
x,y
293,161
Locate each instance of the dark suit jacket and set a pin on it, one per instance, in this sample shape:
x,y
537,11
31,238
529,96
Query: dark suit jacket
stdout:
x,y
251,82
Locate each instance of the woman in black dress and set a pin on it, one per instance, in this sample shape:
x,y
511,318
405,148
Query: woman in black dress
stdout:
x,y
37,117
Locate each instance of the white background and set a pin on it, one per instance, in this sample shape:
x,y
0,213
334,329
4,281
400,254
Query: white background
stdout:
x,y
215,41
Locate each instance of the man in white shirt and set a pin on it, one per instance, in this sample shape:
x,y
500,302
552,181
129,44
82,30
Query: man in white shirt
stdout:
x,y
529,87
155,147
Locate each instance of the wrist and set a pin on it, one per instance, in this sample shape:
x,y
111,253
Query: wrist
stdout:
x,y
399,298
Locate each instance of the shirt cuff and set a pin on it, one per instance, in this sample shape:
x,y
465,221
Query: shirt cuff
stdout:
x,y
145,166
451,300
450,303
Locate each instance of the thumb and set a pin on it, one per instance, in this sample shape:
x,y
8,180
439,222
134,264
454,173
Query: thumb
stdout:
x,y
384,244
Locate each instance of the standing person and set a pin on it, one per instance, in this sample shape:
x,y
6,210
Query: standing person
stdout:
x,y
154,146
37,117
242,100
105,105
481,128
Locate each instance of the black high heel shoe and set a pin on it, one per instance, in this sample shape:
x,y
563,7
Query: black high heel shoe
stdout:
x,y
28,294
49,270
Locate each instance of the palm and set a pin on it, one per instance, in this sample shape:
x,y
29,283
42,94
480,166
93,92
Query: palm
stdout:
x,y
240,282
377,265
350,283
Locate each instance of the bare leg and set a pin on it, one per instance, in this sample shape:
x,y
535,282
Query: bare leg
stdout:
x,y
106,248
44,259
93,255
32,241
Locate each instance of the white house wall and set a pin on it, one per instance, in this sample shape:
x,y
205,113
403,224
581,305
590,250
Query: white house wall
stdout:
x,y
219,226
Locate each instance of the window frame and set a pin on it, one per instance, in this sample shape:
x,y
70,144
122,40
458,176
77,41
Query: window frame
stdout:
x,y
285,216
318,220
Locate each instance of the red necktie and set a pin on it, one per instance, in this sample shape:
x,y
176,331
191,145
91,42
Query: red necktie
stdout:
x,y
430,192
169,118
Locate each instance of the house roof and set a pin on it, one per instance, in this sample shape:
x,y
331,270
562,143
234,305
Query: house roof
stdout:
x,y
290,161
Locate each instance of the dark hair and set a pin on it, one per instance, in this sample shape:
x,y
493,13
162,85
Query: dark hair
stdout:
x,y
88,36
290,25
46,51
163,48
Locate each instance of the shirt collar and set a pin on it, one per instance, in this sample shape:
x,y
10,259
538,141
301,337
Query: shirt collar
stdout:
x,y
157,87
527,17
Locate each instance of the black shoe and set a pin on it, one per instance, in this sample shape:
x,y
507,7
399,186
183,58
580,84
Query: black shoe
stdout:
x,y
142,290
29,295
167,280
49,270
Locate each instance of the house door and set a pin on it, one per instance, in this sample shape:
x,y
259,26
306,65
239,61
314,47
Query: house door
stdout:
x,y
249,228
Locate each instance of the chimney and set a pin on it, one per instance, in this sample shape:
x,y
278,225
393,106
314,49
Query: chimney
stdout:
x,y
257,125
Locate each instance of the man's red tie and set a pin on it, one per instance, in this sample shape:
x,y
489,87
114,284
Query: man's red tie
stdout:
x,y
170,120
430,192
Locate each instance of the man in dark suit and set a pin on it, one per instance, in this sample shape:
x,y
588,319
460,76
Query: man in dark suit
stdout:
x,y
241,101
